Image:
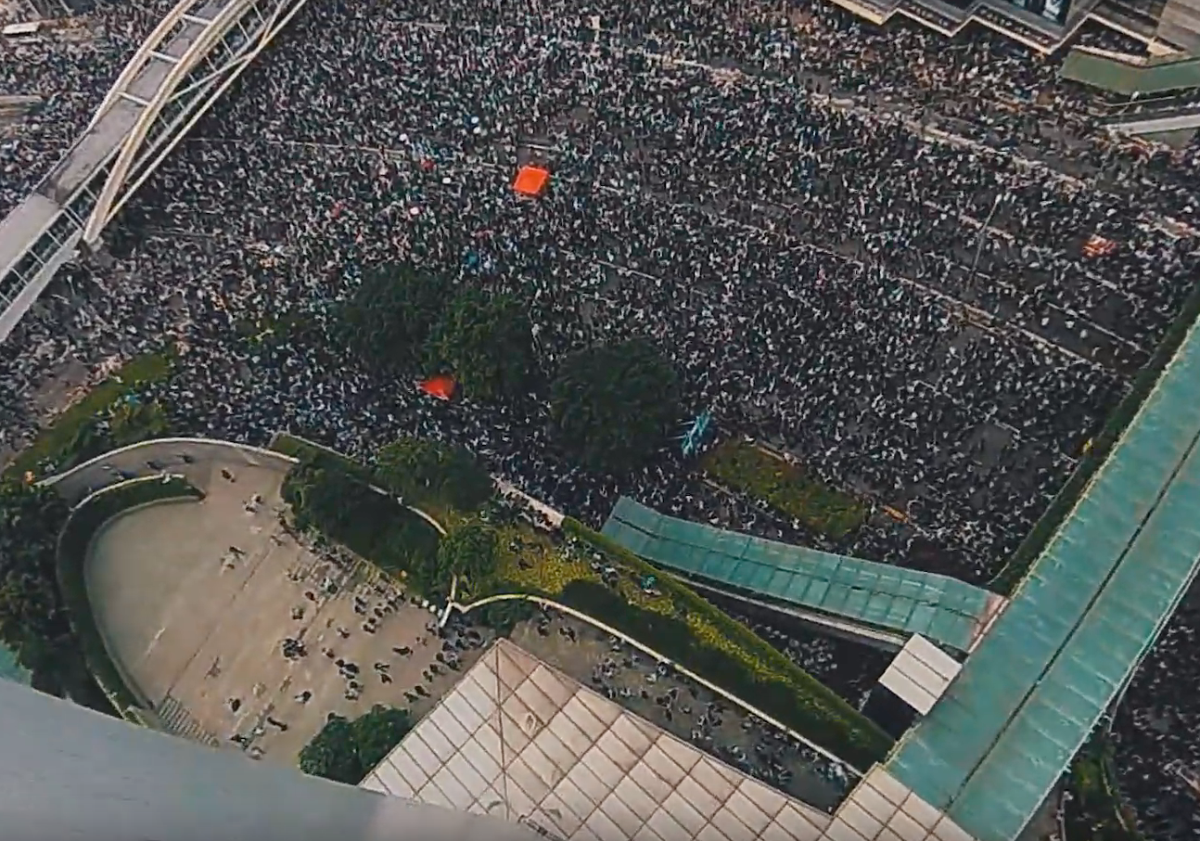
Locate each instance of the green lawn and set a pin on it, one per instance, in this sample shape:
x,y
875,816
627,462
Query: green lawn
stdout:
x,y
749,469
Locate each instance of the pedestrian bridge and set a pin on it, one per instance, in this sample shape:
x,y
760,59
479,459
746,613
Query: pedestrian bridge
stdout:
x,y
861,597
1091,608
193,55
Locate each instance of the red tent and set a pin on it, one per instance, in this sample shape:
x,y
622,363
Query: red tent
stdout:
x,y
531,181
442,386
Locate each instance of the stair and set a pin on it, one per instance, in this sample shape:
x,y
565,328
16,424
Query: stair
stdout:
x,y
179,722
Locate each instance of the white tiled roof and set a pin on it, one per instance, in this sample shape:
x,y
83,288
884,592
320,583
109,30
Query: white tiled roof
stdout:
x,y
920,673
520,740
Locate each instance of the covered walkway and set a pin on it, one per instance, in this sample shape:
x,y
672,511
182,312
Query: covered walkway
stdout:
x,y
1091,608
866,593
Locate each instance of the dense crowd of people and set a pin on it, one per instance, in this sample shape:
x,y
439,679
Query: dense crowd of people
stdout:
x,y
858,244
69,66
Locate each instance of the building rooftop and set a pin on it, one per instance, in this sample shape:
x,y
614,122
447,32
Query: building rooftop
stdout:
x,y
1092,606
942,609
520,740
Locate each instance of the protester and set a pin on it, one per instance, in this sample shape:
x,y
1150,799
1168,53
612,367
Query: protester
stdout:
x,y
898,285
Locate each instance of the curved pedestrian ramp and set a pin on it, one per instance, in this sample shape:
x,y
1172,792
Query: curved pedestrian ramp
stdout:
x,y
867,596
1092,606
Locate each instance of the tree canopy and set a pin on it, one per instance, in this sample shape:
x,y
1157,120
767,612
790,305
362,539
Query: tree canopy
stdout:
x,y
486,341
470,551
434,473
33,622
388,321
346,751
345,508
612,405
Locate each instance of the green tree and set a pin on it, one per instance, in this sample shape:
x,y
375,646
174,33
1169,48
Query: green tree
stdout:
x,y
346,751
486,341
343,507
377,732
434,473
471,551
332,753
612,405
388,320
33,622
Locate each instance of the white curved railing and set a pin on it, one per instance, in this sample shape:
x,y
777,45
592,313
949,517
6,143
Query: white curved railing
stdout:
x,y
284,462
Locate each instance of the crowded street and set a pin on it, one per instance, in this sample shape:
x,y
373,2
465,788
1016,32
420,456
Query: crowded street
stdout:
x,y
922,272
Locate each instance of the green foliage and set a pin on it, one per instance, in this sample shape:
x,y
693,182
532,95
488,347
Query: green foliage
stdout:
x,y
69,561
613,405
320,456
705,640
346,509
486,341
133,422
388,321
78,433
332,753
1060,508
470,551
434,474
505,615
1095,811
377,732
346,751
748,469
30,607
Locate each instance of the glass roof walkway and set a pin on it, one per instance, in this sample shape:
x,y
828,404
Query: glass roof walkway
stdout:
x,y
1092,606
865,593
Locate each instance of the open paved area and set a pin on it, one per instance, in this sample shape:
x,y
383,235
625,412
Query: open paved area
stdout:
x,y
196,600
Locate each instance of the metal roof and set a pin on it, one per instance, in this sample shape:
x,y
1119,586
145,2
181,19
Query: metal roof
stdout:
x,y
1092,606
940,608
1110,74
517,739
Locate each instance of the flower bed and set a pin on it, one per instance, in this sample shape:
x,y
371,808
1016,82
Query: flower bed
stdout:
x,y
749,469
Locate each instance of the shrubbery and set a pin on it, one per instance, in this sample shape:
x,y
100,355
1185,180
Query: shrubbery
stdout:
x,y
346,751
745,468
435,475
342,506
1094,811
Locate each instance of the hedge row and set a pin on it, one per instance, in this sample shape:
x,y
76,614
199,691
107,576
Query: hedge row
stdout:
x,y
71,556
1005,583
751,470
322,457
720,649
